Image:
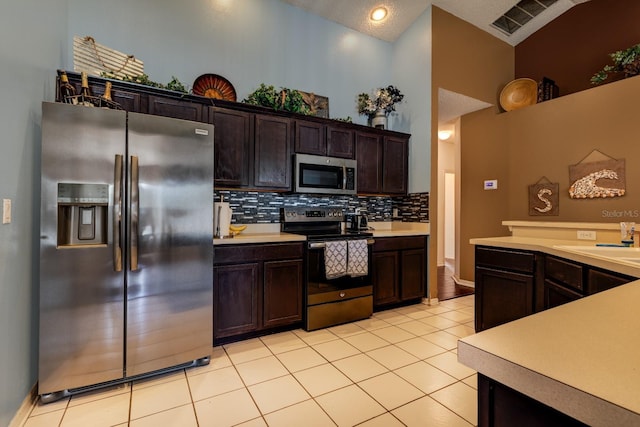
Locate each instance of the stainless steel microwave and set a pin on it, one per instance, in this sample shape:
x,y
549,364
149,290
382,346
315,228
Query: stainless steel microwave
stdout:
x,y
324,175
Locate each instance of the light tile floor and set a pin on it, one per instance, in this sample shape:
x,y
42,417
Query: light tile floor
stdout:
x,y
398,368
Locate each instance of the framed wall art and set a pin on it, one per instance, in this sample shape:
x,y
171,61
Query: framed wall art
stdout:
x,y
544,198
597,176
318,105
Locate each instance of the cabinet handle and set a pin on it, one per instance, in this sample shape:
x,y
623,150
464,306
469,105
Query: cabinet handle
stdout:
x,y
342,294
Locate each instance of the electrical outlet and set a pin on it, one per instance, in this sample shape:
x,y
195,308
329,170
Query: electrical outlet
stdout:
x,y
586,235
6,211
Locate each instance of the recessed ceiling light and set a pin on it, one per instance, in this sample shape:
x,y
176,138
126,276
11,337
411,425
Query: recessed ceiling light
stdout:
x,y
378,14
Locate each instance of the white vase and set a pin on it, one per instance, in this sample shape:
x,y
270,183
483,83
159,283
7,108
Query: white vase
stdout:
x,y
379,120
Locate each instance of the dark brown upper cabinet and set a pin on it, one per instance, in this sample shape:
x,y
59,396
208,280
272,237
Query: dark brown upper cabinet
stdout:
x,y
324,140
232,147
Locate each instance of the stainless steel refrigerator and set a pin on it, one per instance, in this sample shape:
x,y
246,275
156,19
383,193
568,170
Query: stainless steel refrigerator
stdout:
x,y
126,247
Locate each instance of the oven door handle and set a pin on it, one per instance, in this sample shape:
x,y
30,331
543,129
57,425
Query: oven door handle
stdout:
x,y
320,245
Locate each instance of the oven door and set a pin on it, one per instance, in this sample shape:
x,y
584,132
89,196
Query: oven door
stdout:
x,y
334,301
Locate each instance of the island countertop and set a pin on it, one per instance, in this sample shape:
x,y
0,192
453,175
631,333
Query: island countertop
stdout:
x,y
581,358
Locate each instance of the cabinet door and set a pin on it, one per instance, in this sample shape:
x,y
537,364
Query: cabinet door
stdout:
x,y
175,108
395,165
235,299
129,101
340,142
501,297
272,152
599,281
369,157
412,272
555,294
232,146
385,278
310,138
282,292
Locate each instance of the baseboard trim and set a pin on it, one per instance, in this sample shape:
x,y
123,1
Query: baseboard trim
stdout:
x,y
25,408
462,282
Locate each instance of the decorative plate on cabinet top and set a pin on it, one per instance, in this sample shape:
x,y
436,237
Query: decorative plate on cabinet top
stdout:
x,y
519,93
214,86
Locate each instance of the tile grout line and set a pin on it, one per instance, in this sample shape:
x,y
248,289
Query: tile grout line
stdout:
x,y
454,306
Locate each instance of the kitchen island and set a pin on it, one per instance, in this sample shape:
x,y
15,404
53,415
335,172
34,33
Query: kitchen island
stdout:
x,y
581,359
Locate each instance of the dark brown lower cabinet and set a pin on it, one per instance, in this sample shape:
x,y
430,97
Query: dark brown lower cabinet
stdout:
x,y
512,283
399,270
505,285
567,281
501,296
282,292
256,288
235,293
501,406
555,294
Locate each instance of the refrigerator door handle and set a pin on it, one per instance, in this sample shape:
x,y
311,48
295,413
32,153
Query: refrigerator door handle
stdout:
x,y
135,214
117,213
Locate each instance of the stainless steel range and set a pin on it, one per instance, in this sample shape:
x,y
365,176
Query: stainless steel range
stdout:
x,y
332,298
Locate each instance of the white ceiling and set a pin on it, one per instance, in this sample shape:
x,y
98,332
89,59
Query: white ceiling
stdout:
x,y
402,13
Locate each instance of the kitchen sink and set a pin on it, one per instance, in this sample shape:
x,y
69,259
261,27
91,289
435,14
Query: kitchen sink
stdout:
x,y
615,253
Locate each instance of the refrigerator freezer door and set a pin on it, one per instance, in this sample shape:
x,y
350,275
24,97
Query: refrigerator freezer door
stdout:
x,y
169,266
81,295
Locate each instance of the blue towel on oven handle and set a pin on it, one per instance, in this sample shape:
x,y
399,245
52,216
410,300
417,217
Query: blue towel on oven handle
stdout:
x,y
335,259
357,258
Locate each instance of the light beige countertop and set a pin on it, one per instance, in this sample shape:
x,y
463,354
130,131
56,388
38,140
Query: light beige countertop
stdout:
x,y
270,233
581,358
260,233
399,229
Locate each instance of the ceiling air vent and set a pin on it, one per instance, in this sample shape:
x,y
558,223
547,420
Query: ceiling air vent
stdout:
x,y
520,14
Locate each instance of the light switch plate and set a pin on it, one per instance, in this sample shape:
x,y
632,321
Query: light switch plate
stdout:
x,y
491,184
6,211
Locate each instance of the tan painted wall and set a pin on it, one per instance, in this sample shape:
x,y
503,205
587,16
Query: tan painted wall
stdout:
x,y
519,147
546,138
471,62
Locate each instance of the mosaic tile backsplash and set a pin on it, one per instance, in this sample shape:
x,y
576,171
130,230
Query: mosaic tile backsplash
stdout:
x,y
250,207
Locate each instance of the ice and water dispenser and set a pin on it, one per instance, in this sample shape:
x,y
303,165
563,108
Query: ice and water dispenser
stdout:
x,y
82,214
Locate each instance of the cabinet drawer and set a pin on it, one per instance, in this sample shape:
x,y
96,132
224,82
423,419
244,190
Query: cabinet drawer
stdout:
x,y
564,272
506,259
398,243
224,254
